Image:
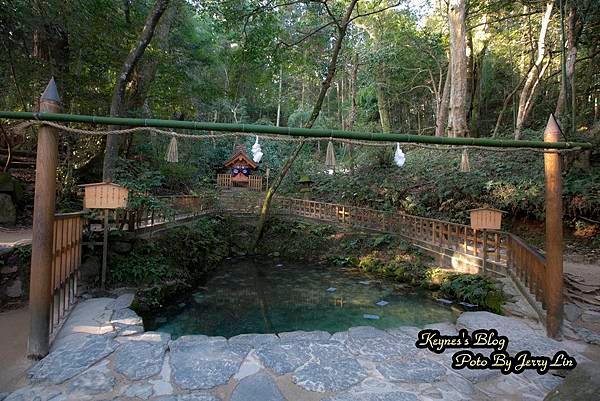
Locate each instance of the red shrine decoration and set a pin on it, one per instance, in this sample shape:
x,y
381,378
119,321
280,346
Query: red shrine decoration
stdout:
x,y
240,165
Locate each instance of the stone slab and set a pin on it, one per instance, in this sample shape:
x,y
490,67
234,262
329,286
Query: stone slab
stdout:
x,y
72,359
259,386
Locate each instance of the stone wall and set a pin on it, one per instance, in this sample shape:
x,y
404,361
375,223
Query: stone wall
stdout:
x,y
14,277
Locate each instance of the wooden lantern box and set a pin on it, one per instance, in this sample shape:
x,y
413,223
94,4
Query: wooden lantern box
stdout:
x,y
104,195
486,218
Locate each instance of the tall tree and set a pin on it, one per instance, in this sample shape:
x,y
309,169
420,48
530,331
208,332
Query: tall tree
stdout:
x,y
341,30
457,15
111,152
535,74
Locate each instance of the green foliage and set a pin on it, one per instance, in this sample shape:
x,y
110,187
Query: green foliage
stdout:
x,y
144,265
24,254
475,289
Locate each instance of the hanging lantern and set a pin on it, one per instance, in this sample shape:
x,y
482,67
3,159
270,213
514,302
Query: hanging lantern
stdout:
x,y
172,154
399,157
257,153
330,156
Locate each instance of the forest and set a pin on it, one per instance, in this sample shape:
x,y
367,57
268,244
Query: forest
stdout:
x,y
456,68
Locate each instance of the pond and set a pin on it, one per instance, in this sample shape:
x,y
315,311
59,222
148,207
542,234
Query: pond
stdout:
x,y
247,296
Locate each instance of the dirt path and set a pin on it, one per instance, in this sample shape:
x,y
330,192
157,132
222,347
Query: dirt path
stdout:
x,y
14,330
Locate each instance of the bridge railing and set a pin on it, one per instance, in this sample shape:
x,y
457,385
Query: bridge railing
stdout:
x,y
67,241
458,237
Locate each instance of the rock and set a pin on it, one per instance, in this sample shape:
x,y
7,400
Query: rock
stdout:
x,y
382,303
390,396
15,290
326,375
126,316
90,268
3,396
301,335
520,335
380,348
9,269
590,316
444,301
412,371
139,390
581,384
92,382
572,312
121,247
201,362
447,329
34,393
365,282
588,336
72,358
371,317
246,342
259,386
139,359
331,289
468,306
196,396
8,212
128,330
365,332
122,302
285,357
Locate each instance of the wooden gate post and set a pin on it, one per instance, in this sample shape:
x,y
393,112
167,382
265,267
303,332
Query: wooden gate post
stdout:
x,y
554,232
40,291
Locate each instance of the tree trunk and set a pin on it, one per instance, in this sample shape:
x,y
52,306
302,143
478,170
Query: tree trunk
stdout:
x,y
534,76
279,96
458,68
331,68
116,107
382,106
442,112
572,39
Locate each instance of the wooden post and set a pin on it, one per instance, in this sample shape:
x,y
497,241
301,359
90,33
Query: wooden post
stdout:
x,y
104,249
483,266
554,232
40,291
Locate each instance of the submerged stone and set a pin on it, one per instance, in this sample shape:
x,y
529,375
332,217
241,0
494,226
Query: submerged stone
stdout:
x,y
382,303
331,289
259,386
370,316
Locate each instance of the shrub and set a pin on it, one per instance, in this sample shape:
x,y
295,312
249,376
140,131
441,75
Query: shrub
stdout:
x,y
478,290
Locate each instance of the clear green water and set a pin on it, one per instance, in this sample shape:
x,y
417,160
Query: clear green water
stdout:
x,y
250,297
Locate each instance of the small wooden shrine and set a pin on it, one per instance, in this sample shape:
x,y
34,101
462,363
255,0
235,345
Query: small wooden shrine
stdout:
x,y
240,171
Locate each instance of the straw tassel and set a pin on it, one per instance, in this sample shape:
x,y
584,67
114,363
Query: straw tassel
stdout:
x,y
172,154
465,166
330,156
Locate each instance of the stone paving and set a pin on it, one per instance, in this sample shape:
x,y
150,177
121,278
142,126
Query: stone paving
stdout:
x,y
102,353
